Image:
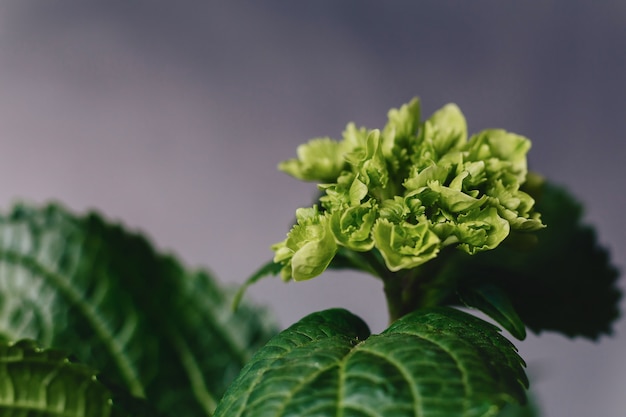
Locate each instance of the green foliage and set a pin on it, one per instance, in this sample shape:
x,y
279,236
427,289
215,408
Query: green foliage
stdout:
x,y
492,301
396,204
564,283
46,383
395,208
93,289
435,362
518,410
560,280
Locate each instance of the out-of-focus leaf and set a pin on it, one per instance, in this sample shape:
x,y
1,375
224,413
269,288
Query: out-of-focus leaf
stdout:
x,y
432,362
46,383
517,410
496,304
565,283
150,325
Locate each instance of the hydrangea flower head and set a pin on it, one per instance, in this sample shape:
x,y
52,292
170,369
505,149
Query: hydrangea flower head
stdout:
x,y
407,192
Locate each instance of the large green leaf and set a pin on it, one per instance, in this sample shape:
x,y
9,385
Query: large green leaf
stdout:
x,y
151,326
436,362
565,283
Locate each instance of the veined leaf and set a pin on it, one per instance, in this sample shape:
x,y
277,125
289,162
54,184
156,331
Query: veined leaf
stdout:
x,y
433,362
93,289
565,283
46,383
496,304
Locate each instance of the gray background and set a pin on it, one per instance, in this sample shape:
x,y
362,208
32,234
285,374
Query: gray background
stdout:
x,y
172,116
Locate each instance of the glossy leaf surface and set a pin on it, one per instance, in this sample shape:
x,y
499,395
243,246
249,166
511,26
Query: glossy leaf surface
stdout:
x,y
434,362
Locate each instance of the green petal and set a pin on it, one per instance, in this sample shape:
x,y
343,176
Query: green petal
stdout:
x,y
421,178
515,206
449,128
369,162
481,230
354,137
318,160
503,152
309,247
455,201
401,126
352,227
405,246
395,210
342,193
357,192
313,258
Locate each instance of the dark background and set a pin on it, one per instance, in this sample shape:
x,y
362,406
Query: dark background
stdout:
x,y
172,116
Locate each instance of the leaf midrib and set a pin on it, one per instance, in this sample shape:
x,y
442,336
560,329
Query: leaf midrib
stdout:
x,y
464,374
123,363
197,381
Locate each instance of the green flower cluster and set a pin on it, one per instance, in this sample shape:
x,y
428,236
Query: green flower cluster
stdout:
x,y
408,191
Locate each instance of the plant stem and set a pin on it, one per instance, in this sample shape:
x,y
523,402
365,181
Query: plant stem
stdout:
x,y
402,293
408,290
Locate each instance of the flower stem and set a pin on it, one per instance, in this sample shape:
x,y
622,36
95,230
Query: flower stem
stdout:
x,y
411,289
402,293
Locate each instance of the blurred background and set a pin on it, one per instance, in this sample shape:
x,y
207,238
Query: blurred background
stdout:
x,y
171,117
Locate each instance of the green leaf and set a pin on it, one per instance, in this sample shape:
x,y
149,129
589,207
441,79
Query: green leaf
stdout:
x,y
492,301
434,362
565,283
153,327
517,410
46,383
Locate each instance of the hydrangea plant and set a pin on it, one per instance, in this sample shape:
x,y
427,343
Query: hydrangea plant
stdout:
x,y
398,198
444,220
95,322
408,192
